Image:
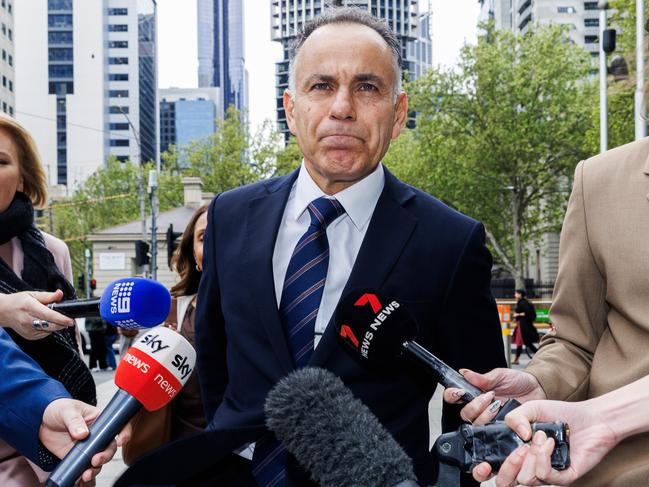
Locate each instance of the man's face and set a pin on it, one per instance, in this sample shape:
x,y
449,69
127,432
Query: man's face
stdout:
x,y
344,112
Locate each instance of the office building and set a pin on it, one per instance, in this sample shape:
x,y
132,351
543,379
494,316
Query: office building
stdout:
x,y
221,52
89,83
288,17
581,16
187,115
7,70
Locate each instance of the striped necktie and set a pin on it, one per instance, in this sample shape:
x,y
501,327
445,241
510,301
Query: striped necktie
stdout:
x,y
301,296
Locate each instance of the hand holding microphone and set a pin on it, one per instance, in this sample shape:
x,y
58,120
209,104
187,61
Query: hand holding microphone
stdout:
x,y
149,375
22,311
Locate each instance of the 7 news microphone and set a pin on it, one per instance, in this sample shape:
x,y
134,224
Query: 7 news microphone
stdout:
x,y
149,375
333,434
133,302
378,330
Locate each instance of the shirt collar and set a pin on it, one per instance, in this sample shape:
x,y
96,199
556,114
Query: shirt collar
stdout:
x,y
358,200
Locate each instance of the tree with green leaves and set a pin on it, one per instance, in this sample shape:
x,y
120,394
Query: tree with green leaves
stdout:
x,y
498,138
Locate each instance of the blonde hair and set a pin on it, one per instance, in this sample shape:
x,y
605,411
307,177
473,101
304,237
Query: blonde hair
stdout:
x,y
31,168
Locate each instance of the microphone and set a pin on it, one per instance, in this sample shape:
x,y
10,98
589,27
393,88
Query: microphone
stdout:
x,y
334,435
132,302
149,375
376,330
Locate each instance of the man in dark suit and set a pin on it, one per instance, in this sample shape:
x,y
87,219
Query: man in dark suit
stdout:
x,y
280,254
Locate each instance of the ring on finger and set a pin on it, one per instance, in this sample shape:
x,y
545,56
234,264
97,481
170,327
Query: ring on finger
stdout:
x,y
40,324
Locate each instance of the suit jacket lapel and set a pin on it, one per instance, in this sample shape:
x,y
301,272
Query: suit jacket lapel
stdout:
x,y
389,231
262,223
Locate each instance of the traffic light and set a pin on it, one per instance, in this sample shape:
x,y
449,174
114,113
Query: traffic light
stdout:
x,y
141,253
93,284
81,282
171,243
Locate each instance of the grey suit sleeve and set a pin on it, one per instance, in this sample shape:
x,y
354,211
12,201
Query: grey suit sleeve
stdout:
x,y
579,310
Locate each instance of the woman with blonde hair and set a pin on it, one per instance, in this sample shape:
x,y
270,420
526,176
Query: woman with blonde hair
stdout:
x,y
32,260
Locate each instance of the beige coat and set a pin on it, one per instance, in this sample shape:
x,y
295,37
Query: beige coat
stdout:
x,y
601,299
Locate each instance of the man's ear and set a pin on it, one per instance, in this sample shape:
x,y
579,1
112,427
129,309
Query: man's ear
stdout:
x,y
400,114
289,106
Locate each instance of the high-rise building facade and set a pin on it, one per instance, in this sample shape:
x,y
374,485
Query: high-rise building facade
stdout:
x,y
187,115
221,51
582,17
89,83
7,70
289,16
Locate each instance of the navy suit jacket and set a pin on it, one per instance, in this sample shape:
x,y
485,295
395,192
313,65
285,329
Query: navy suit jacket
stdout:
x,y
416,249
25,392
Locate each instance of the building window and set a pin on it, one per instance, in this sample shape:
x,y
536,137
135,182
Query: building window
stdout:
x,y
59,20
10,60
4,29
590,5
57,38
60,54
118,77
117,28
567,10
11,85
9,8
11,110
118,126
118,93
117,44
60,71
10,35
591,22
117,60
4,106
117,109
117,11
59,4
4,81
590,39
121,158
119,143
4,55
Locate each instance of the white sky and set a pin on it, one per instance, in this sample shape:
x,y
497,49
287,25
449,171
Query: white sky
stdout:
x,y
454,22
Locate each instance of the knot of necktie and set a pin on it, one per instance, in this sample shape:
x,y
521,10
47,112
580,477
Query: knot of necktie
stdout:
x,y
324,211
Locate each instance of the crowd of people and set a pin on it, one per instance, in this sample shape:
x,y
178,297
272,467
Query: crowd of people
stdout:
x,y
260,273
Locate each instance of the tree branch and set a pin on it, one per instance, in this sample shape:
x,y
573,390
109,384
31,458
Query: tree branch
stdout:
x,y
501,254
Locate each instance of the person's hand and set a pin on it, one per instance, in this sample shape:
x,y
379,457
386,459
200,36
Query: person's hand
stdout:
x,y
66,421
501,383
19,310
591,438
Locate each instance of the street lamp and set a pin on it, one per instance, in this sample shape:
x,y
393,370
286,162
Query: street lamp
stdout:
x,y
136,135
606,46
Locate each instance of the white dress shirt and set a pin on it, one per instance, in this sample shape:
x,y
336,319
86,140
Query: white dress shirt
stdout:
x,y
345,235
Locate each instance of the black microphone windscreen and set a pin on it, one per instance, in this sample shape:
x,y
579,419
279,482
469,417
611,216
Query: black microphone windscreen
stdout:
x,y
373,327
332,434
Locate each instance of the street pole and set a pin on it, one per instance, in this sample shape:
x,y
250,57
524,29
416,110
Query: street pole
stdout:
x,y
153,187
87,271
603,105
140,181
640,122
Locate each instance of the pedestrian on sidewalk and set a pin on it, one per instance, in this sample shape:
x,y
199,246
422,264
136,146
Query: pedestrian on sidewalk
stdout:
x,y
525,333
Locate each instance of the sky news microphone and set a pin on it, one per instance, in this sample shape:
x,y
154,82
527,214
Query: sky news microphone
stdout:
x,y
133,302
378,330
149,375
334,435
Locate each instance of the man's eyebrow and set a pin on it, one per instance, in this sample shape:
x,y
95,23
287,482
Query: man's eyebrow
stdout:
x,y
319,78
364,77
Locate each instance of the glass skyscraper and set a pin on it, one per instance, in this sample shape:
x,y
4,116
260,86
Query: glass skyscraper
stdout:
x,y
221,55
289,16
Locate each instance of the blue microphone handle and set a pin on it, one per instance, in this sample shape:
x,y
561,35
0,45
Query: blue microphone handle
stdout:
x,y
119,411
